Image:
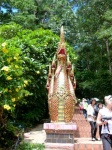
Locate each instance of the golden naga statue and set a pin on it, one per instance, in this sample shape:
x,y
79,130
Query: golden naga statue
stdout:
x,y
61,85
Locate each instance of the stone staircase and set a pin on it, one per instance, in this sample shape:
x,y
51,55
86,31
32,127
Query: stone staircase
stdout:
x,y
83,136
83,129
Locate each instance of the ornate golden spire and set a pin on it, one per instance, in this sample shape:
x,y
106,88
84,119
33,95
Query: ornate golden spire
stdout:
x,y
62,38
62,45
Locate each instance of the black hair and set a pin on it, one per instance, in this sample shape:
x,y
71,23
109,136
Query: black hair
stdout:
x,y
100,104
92,100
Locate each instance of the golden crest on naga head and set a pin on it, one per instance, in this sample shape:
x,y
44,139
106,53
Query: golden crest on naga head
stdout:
x,y
61,51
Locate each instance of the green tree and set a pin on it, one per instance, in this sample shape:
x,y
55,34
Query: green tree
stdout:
x,y
33,14
21,12
52,14
105,34
92,73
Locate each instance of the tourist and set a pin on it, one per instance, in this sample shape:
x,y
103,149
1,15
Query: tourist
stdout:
x,y
81,107
97,108
85,106
92,119
88,101
100,106
106,132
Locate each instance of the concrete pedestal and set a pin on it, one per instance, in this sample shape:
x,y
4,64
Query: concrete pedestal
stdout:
x,y
59,136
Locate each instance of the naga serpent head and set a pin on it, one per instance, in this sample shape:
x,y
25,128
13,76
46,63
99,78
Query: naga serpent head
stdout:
x,y
61,52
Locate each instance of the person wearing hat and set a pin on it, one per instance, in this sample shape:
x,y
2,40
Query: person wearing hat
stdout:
x,y
105,119
92,119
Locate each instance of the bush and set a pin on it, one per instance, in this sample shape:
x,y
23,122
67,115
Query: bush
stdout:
x,y
29,146
9,134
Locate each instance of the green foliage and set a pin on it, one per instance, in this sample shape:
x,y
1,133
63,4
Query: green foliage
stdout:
x,y
9,134
53,14
106,29
94,84
29,146
9,31
34,14
11,70
21,12
93,72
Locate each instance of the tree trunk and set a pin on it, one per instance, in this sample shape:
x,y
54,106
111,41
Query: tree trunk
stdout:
x,y
87,61
108,56
1,113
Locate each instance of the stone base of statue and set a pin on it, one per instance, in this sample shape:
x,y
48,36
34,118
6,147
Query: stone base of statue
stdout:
x,y
59,136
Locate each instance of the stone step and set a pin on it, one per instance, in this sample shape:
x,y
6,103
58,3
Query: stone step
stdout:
x,y
78,135
58,146
83,126
79,146
87,144
88,147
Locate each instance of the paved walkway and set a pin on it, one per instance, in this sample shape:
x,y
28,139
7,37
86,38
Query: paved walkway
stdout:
x,y
38,135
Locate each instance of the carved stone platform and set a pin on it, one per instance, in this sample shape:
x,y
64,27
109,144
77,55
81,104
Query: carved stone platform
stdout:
x,y
59,136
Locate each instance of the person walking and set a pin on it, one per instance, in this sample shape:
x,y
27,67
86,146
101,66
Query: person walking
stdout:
x,y
85,106
106,131
92,119
100,106
81,107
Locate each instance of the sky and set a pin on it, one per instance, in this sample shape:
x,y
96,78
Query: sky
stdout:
x,y
4,10
15,10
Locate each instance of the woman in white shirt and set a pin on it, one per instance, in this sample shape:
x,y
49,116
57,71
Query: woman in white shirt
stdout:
x,y
92,119
106,132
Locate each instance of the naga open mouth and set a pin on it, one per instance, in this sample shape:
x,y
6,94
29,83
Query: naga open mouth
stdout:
x,y
62,52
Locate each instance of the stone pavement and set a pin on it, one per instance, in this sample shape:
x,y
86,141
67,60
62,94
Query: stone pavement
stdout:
x,y
38,135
